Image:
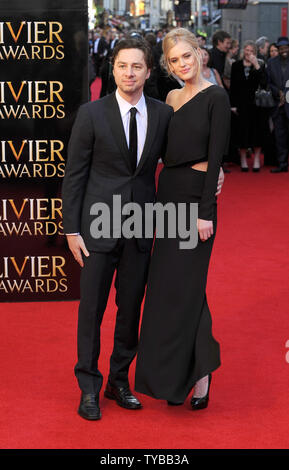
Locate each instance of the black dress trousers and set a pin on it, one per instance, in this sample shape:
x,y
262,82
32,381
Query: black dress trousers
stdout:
x,y
131,266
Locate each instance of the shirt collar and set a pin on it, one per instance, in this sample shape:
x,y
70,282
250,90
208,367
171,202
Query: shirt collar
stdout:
x,y
125,106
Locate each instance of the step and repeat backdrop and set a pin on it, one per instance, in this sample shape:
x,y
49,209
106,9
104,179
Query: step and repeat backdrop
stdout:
x,y
43,81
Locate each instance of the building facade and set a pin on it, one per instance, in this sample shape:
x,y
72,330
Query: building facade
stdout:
x,y
260,18
154,10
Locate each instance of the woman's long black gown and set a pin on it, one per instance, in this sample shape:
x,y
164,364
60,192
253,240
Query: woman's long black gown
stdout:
x,y
176,346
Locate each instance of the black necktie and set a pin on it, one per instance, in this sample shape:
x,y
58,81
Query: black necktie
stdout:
x,y
133,138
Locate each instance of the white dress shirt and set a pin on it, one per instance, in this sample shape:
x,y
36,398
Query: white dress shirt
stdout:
x,y
95,47
141,120
113,43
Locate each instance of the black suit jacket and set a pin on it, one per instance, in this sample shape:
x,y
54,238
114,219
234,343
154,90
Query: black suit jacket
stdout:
x,y
217,61
277,80
98,166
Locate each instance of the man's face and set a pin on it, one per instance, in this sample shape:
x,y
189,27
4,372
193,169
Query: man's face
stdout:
x,y
284,52
225,45
264,50
113,34
130,70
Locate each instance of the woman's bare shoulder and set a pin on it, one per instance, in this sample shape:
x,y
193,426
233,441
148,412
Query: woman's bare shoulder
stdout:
x,y
173,96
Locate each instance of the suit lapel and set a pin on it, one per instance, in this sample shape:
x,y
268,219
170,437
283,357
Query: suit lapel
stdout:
x,y
117,130
153,120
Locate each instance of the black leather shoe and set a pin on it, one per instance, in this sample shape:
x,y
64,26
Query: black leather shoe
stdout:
x,y
122,396
279,169
89,406
256,170
244,169
201,403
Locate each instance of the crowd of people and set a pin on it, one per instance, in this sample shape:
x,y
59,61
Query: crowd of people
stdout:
x,y
254,74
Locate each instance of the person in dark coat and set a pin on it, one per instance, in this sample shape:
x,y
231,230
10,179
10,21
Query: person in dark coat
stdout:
x,y
278,77
246,76
151,87
104,51
221,45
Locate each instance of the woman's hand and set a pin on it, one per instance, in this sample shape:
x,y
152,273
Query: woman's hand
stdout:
x,y
254,61
205,229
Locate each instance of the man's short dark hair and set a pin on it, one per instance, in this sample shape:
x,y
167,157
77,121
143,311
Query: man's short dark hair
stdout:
x,y
220,36
132,43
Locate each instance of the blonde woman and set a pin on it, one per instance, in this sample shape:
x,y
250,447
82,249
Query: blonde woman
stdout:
x,y
177,351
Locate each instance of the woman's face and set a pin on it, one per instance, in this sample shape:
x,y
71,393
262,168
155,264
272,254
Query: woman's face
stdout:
x,y
182,61
205,57
273,52
235,50
248,52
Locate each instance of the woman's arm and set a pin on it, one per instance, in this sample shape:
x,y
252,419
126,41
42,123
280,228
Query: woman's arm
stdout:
x,y
219,133
218,78
260,72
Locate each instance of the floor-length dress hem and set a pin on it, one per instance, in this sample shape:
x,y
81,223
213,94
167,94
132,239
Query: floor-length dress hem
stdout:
x,y
167,398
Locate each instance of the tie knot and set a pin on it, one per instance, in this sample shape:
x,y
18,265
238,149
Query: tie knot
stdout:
x,y
133,112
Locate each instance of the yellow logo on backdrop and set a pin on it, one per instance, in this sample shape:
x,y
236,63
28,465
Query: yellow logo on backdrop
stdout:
x,y
40,40
32,217
32,274
34,94
31,158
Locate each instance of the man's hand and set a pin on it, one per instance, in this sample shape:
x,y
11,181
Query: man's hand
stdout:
x,y
220,182
76,246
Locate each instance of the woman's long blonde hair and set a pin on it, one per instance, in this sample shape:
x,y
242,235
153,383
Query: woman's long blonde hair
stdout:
x,y
172,38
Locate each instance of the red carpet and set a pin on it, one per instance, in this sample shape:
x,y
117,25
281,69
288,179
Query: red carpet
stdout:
x,y
95,89
248,296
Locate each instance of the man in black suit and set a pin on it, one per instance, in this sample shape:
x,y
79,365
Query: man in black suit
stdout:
x,y
113,150
278,76
103,162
